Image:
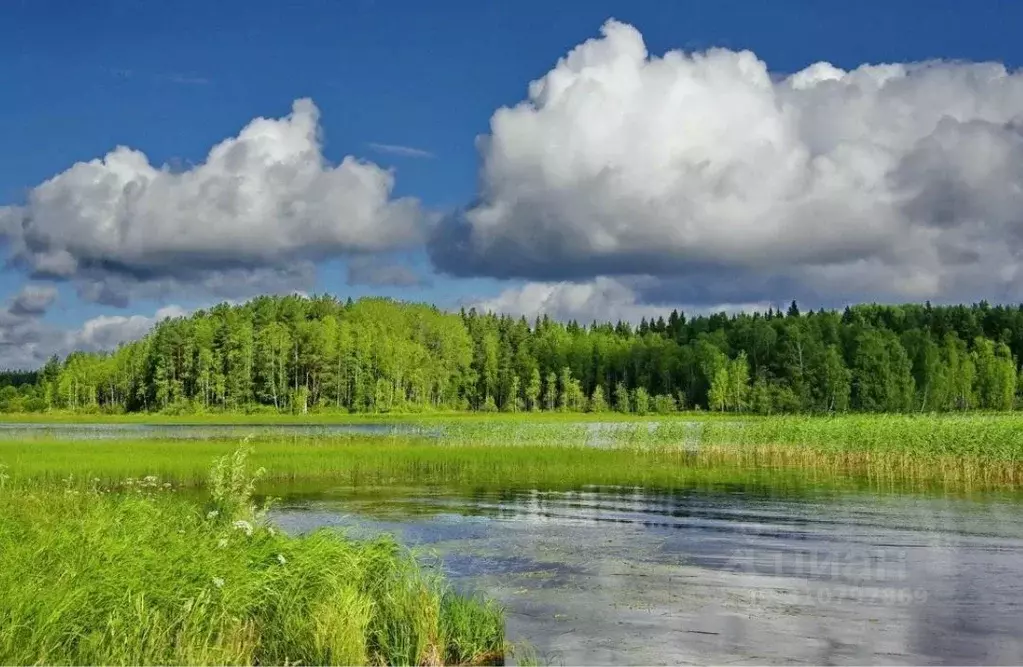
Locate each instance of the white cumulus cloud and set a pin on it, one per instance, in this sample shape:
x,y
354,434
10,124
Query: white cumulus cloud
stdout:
x,y
265,203
106,332
887,181
601,300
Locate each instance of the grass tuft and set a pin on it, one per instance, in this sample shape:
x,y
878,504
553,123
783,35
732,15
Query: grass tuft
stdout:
x,y
145,576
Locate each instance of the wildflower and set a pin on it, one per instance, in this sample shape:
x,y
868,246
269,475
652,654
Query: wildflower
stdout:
x,y
166,485
149,479
272,531
218,582
212,514
281,559
241,524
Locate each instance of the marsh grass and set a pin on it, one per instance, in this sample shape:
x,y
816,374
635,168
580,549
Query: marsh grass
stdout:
x,y
946,453
141,575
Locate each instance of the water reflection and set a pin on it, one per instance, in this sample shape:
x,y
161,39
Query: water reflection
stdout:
x,y
629,576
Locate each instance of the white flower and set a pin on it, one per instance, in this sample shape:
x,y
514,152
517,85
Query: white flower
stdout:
x,y
212,514
149,478
218,582
243,525
272,531
281,559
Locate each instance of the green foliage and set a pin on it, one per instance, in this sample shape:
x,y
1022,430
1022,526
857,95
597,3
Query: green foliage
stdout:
x,y
720,386
664,404
142,575
533,391
640,401
622,401
738,383
306,355
953,452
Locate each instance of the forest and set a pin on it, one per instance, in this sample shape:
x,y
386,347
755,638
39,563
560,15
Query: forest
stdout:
x,y
296,354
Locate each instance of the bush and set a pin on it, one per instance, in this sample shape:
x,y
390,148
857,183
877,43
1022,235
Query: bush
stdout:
x,y
664,404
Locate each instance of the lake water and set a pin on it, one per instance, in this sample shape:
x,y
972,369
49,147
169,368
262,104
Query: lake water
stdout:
x,y
113,431
617,576
593,434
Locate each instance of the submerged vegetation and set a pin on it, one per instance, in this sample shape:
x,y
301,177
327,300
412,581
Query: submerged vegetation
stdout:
x,y
298,355
144,575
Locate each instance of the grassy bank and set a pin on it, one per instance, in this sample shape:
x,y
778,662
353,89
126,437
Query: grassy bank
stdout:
x,y
145,576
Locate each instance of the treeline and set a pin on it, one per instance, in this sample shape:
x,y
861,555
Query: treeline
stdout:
x,y
296,354
20,392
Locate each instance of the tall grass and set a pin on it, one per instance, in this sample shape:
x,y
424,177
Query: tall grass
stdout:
x,y
145,576
666,457
950,453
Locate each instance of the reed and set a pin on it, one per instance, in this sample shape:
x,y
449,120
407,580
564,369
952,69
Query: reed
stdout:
x,y
794,455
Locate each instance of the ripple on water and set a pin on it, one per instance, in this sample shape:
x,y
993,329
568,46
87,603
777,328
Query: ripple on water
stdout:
x,y
623,575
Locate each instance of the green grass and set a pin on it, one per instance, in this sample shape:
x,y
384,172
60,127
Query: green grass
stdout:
x,y
360,461
147,576
958,454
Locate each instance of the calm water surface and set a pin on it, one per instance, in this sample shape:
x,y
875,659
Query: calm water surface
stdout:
x,y
606,576
13,430
591,433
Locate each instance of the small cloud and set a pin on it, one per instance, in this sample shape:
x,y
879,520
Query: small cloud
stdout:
x,y
33,300
404,151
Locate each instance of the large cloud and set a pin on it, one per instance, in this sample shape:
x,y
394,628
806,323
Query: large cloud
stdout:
x,y
600,300
263,206
888,181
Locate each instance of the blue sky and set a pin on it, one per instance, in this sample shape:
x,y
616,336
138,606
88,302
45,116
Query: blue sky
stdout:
x,y
173,79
